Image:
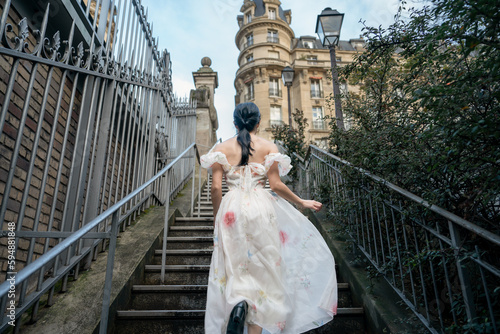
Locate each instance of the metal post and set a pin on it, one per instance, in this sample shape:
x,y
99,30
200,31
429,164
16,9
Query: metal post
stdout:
x,y
289,108
106,299
336,90
463,275
192,182
165,227
199,190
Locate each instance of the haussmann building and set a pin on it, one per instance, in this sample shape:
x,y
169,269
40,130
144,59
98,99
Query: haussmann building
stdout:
x,y
267,45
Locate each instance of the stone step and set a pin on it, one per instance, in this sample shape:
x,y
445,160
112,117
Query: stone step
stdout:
x,y
347,320
168,297
177,268
195,223
176,277
187,297
194,219
191,231
189,242
184,256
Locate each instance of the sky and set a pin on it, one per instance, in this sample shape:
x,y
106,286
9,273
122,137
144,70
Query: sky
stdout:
x,y
193,29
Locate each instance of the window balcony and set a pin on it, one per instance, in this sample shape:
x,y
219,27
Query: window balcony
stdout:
x,y
275,122
247,44
272,39
274,92
315,94
319,124
249,97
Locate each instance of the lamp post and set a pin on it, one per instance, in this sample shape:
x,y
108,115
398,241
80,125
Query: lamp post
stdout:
x,y
328,28
287,75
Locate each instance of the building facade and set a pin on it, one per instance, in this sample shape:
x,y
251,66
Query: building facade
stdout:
x,y
268,44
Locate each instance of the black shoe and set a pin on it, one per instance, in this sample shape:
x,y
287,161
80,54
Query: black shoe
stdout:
x,y
236,323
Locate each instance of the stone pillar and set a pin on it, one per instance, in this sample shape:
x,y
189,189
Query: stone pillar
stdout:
x,y
205,81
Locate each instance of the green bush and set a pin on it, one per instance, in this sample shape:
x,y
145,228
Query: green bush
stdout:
x,y
427,117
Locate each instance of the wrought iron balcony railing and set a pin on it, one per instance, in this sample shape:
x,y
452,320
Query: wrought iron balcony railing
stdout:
x,y
319,125
274,122
275,92
316,94
272,39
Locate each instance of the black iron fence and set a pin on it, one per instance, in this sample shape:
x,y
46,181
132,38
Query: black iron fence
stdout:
x,y
87,116
445,268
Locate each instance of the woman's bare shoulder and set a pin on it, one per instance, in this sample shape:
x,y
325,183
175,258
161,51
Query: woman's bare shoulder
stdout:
x,y
266,145
225,145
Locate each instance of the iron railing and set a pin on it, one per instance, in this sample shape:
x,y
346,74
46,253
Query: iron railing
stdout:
x,y
275,122
316,94
320,124
445,268
274,92
273,39
85,232
87,118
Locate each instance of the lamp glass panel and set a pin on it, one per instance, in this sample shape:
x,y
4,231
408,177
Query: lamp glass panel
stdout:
x,y
287,76
331,24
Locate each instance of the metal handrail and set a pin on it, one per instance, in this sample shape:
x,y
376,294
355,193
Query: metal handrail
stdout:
x,y
448,215
396,238
113,211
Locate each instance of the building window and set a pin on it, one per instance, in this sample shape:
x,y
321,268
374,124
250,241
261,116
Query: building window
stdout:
x,y
316,88
274,87
272,36
275,116
249,17
318,121
249,58
343,88
249,40
312,60
249,91
274,54
272,14
308,44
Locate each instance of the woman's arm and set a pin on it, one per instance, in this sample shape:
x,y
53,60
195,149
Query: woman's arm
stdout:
x,y
216,190
282,190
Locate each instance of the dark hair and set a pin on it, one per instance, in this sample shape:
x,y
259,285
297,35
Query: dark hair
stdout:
x,y
246,116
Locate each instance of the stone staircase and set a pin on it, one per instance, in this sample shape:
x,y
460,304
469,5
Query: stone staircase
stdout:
x,y
179,306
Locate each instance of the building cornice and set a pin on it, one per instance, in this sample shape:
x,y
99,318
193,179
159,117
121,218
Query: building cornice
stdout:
x,y
271,46
262,22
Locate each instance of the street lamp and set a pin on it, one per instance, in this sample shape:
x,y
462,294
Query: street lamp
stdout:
x,y
328,28
287,74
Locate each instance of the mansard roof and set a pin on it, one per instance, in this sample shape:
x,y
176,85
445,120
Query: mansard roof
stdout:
x,y
260,9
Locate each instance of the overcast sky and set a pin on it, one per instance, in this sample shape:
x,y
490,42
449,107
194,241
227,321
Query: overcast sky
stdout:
x,y
193,29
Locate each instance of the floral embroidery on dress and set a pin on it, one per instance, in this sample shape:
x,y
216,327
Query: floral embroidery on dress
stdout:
x,y
281,325
243,267
334,308
262,297
305,240
229,219
222,283
283,237
305,281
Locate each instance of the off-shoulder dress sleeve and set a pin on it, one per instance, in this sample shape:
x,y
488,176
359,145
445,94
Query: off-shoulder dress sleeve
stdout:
x,y
210,158
284,165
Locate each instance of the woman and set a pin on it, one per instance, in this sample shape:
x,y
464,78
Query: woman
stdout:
x,y
270,268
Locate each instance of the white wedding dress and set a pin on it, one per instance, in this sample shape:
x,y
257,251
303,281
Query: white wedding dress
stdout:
x,y
268,254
